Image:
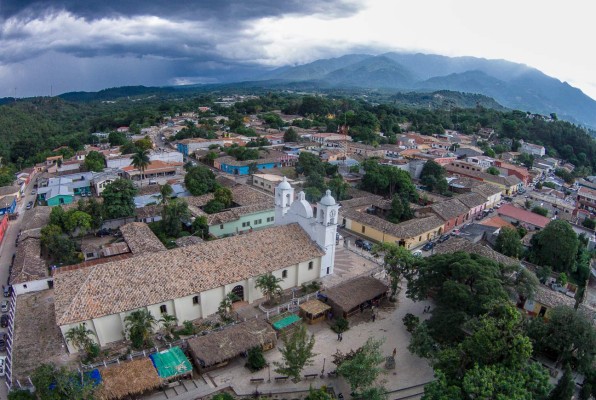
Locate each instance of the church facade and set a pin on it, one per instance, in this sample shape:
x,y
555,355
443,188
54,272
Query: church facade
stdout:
x,y
319,223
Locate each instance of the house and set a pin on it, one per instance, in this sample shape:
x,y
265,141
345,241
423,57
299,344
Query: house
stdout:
x,y
365,150
519,216
188,283
101,180
508,184
12,190
452,211
475,202
148,214
53,160
409,234
8,205
455,245
155,169
509,169
533,149
141,239
483,162
586,198
250,210
165,155
268,182
231,166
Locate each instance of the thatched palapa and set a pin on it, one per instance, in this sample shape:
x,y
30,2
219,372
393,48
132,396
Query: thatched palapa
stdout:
x,y
128,379
218,348
347,297
314,310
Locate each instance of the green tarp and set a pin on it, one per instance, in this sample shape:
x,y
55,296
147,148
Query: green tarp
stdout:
x,y
171,362
285,322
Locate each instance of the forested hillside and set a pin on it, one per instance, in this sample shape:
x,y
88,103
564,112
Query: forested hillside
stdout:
x,y
30,129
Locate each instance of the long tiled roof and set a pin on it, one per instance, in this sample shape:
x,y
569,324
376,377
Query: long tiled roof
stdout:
x,y
449,209
510,211
6,190
458,244
140,238
152,278
36,218
28,264
486,190
472,199
403,230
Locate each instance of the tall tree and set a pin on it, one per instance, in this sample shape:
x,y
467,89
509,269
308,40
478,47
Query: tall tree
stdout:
x,y
397,261
269,284
509,243
296,353
118,199
53,383
139,326
94,161
565,387
362,369
200,180
165,191
173,216
556,246
80,337
140,160
224,196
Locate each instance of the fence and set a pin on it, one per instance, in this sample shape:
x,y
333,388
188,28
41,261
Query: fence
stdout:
x,y
290,306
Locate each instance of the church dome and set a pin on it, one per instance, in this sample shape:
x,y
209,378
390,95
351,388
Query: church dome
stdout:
x,y
301,207
327,200
284,184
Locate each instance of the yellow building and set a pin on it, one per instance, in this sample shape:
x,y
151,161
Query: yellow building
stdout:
x,y
409,234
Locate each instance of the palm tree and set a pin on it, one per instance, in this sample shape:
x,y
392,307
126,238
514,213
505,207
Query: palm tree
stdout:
x,y
139,326
269,285
165,191
79,337
225,307
140,160
168,322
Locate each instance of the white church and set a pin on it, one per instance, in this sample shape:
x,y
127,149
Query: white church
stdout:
x,y
190,282
321,228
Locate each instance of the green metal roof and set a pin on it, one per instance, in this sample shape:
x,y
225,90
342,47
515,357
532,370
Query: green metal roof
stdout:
x,y
171,362
285,322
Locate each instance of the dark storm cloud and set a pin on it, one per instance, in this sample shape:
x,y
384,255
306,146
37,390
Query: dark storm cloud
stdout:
x,y
224,10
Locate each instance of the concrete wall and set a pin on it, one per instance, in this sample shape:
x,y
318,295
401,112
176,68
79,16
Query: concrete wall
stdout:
x,y
32,286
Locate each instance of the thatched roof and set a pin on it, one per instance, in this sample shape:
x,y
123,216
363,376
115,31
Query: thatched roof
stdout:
x,y
230,342
351,294
128,379
314,307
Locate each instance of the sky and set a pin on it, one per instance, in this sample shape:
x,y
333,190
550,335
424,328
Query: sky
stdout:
x,y
50,47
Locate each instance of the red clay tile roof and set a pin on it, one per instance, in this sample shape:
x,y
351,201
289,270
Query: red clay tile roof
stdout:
x,y
522,215
152,278
497,222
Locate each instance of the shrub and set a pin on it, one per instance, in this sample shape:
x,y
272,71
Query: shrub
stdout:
x,y
255,361
411,322
188,328
340,325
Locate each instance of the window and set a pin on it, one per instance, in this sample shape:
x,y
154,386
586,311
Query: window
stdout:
x,y
284,273
89,255
270,219
221,226
310,265
195,300
258,221
363,229
420,239
245,224
163,309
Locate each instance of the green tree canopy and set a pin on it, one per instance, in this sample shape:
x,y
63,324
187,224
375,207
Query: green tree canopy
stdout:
x,y
173,216
555,246
296,353
118,199
94,161
509,243
362,369
139,326
269,285
53,383
200,180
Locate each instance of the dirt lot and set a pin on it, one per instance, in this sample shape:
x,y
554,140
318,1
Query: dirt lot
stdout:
x,y
37,337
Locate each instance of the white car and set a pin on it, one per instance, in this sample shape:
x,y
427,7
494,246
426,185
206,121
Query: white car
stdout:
x,y
417,253
2,365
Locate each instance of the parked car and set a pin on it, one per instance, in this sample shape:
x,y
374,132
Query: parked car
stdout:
x,y
417,253
2,341
103,232
4,320
33,192
367,246
429,246
7,290
359,242
4,306
443,238
29,205
2,365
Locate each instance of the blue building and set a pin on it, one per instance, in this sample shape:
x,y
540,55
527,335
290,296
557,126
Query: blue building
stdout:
x,y
231,166
8,205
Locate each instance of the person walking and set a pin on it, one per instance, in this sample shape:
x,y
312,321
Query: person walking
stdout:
x,y
394,351
339,337
374,316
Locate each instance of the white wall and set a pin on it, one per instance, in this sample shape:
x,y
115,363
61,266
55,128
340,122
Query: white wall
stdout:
x,y
32,286
109,328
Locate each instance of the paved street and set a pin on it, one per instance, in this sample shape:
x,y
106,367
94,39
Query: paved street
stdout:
x,y
7,249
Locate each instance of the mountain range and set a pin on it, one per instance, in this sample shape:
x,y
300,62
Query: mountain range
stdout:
x,y
513,85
